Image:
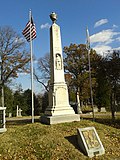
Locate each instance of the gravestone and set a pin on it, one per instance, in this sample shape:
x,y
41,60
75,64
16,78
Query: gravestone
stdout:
x,y
59,109
89,142
103,109
10,115
2,119
95,109
19,112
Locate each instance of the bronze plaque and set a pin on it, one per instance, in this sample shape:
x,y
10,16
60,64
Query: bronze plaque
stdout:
x,y
91,139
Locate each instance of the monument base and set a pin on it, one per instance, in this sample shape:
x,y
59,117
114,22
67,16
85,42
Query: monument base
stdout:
x,y
3,130
59,118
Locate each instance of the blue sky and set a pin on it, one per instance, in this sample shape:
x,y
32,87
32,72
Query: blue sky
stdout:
x,y
102,18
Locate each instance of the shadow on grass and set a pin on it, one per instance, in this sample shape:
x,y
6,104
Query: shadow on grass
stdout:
x,y
109,122
106,121
20,121
73,140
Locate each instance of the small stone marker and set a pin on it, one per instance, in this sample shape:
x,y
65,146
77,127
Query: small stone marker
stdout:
x,y
89,142
95,109
10,115
19,112
103,110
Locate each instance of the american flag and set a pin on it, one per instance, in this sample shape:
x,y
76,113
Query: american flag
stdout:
x,y
30,31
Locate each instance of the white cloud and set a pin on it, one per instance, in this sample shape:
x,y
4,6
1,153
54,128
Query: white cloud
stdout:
x,y
115,26
100,22
118,38
19,40
101,49
45,26
101,41
105,36
22,74
118,48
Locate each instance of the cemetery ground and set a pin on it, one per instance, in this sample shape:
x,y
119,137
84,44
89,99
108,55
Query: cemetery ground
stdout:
x,y
26,141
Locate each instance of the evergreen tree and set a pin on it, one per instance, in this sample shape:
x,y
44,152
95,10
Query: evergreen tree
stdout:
x,y
9,100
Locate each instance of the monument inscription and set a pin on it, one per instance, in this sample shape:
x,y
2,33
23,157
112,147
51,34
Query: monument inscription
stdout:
x,y
61,98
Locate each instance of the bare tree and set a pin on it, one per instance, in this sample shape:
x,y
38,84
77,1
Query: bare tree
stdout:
x,y
44,66
13,56
44,69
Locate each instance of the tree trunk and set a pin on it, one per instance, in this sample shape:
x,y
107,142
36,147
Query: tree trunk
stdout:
x,y
2,82
113,106
2,97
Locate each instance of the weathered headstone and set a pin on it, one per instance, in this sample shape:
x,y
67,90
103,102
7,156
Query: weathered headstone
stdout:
x,y
89,142
103,109
10,115
95,109
78,106
59,109
19,112
2,119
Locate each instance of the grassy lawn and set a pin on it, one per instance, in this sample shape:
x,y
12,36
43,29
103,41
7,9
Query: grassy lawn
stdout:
x,y
26,141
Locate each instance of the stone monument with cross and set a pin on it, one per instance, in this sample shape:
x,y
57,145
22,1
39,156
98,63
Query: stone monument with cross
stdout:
x,y
59,110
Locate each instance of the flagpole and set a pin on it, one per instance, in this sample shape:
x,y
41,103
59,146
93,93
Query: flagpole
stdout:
x,y
31,54
90,79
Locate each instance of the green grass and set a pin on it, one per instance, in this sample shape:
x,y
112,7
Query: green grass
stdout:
x,y
54,142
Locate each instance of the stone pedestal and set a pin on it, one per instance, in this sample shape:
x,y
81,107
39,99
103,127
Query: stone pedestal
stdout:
x,y
59,109
60,118
2,119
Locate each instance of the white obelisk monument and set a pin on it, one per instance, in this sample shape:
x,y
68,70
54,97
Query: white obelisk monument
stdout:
x,y
59,110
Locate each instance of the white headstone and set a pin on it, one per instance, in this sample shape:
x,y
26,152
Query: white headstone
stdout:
x,y
78,106
103,109
19,112
10,115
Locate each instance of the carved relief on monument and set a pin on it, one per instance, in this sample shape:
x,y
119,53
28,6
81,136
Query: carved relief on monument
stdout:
x,y
58,61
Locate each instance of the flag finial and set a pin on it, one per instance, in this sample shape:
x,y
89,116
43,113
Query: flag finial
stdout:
x,y
88,39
